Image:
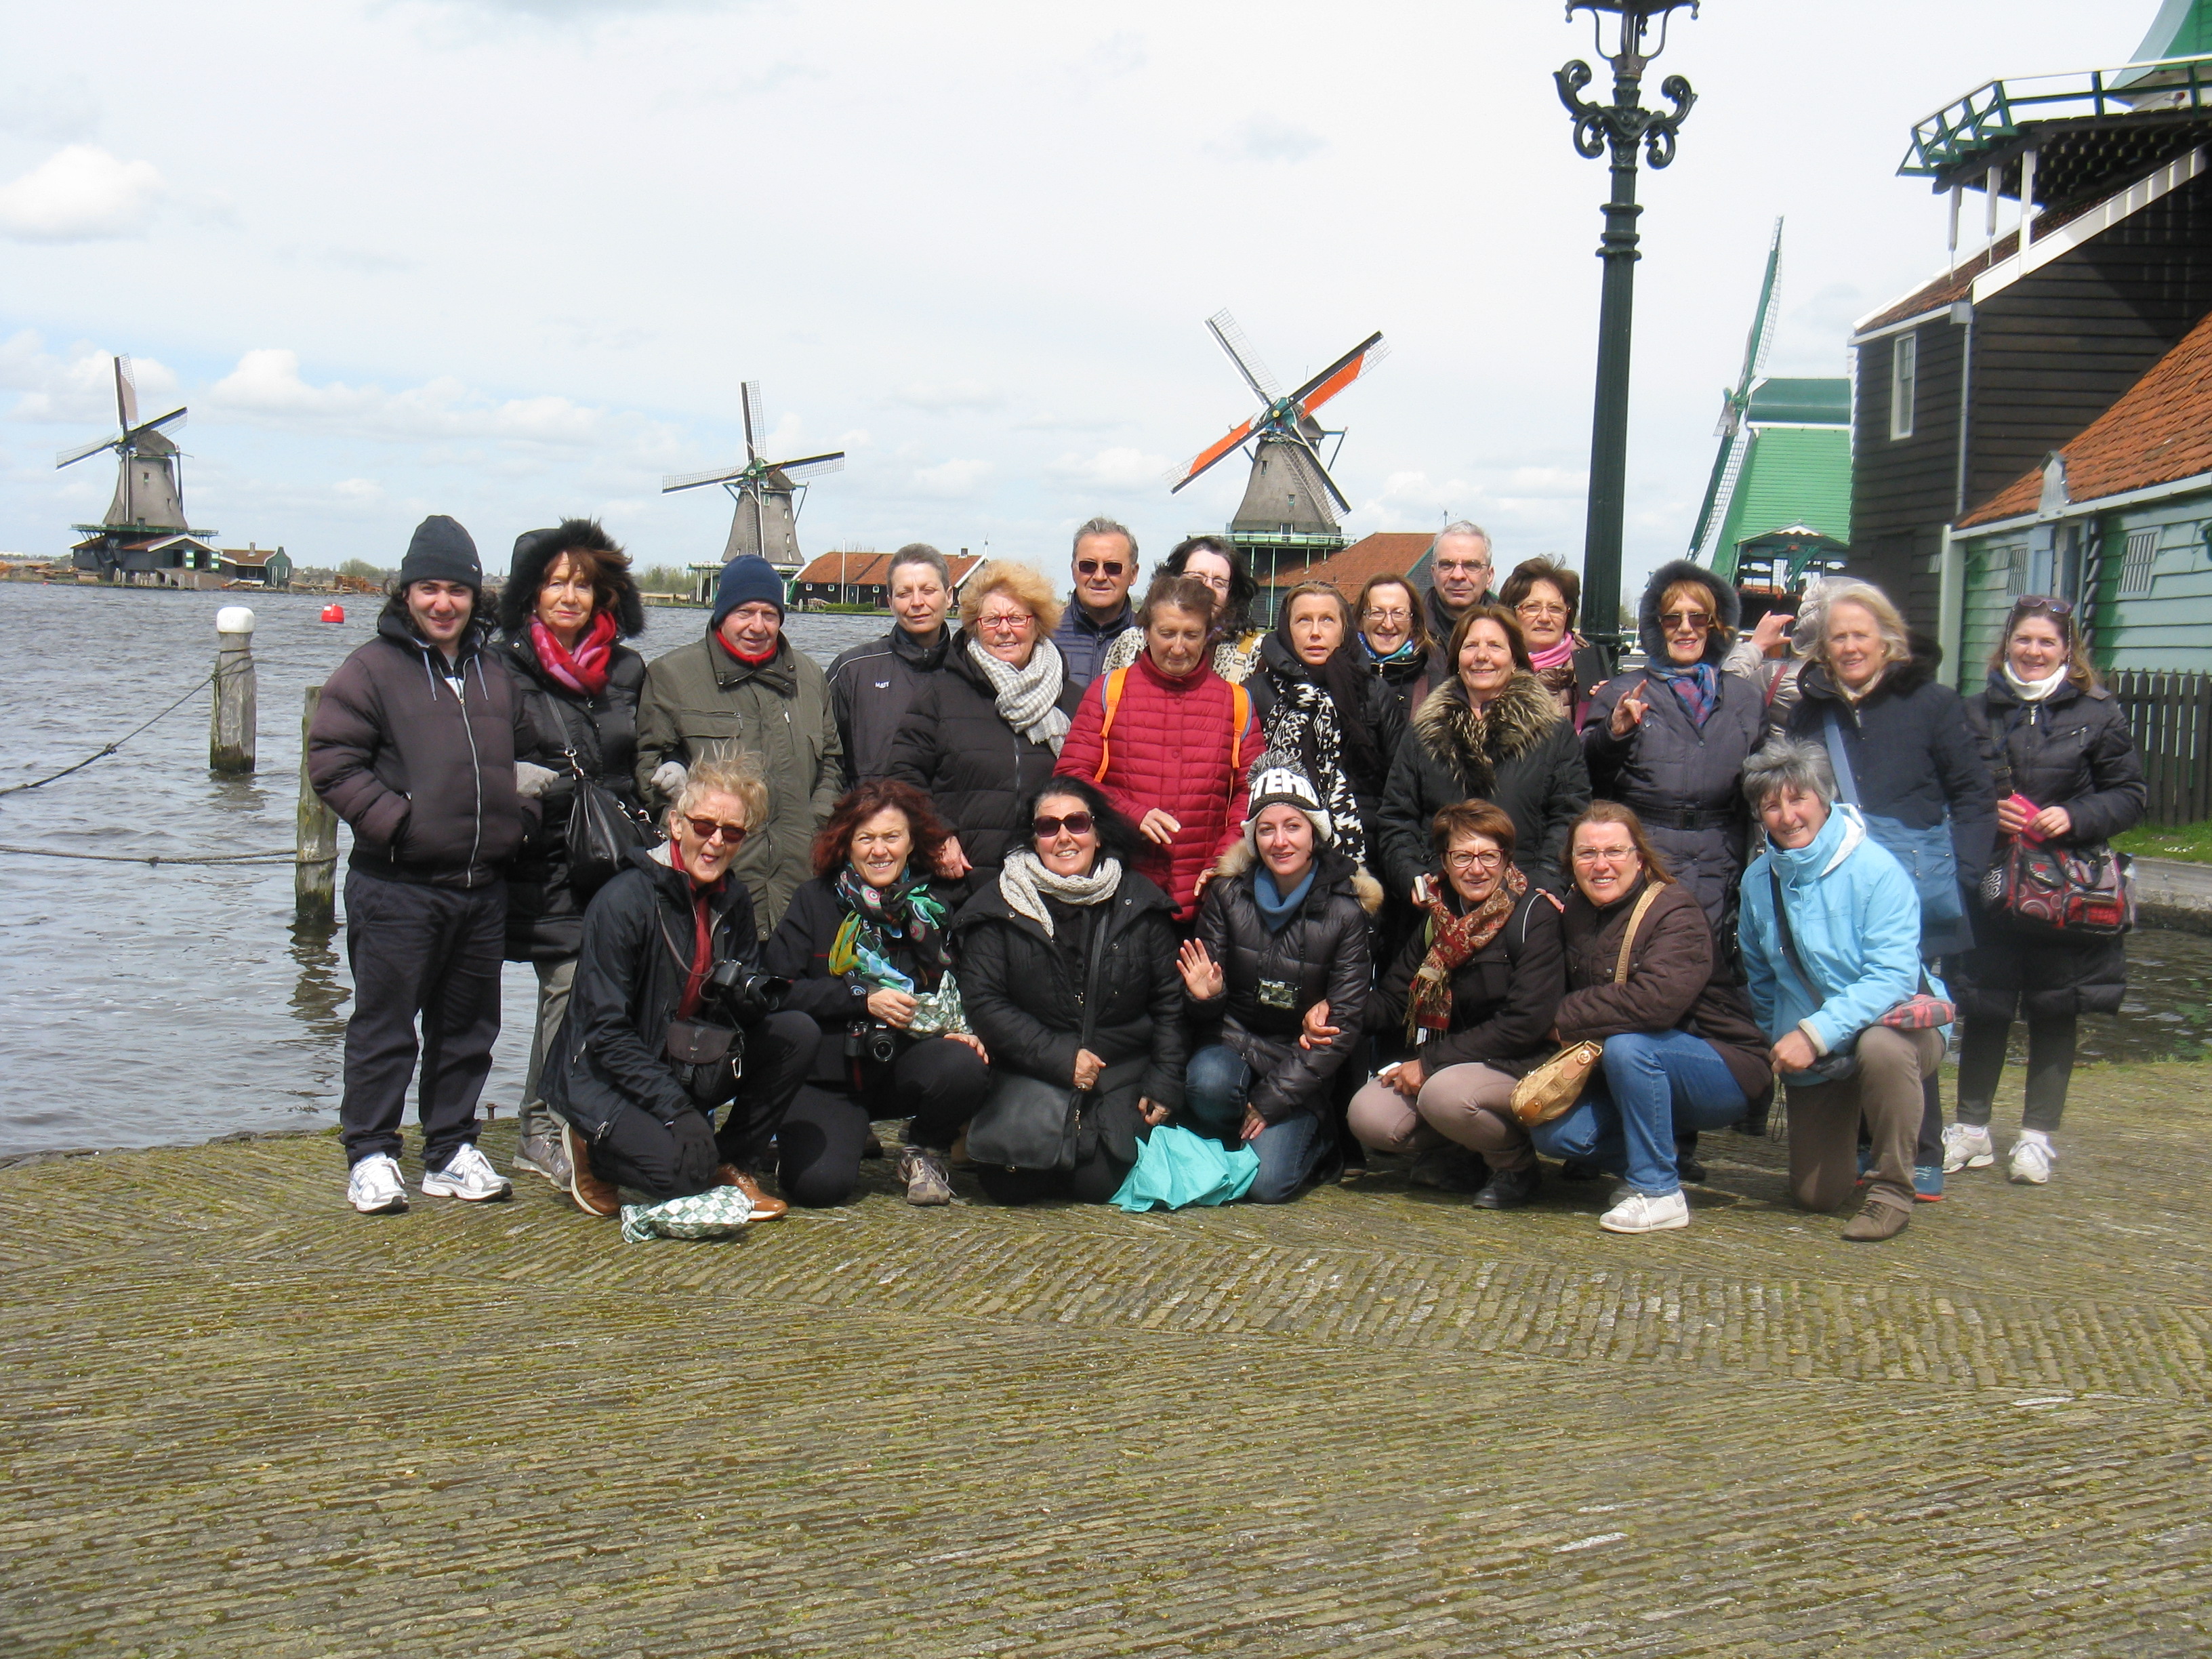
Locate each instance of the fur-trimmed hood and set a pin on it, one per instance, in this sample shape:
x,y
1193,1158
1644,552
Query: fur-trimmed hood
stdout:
x,y
1521,717
1336,869
525,573
1728,610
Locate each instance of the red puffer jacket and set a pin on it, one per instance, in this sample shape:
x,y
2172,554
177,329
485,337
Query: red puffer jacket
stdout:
x,y
1172,745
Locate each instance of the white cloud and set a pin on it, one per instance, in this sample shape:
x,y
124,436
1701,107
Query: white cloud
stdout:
x,y
1270,138
952,479
1118,468
80,194
79,389
951,394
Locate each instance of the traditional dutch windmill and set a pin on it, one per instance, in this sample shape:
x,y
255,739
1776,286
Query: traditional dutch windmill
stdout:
x,y
1289,513
148,503
769,494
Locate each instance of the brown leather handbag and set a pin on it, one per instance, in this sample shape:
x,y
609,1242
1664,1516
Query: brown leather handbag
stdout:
x,y
1552,1089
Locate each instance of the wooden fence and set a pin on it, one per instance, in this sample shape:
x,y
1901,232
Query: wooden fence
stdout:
x,y
2170,716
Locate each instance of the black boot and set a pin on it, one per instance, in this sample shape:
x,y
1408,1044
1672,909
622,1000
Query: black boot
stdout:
x,y
1509,1189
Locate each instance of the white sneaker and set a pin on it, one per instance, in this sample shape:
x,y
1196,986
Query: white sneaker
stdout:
x,y
375,1186
1640,1212
2031,1160
1967,1147
468,1174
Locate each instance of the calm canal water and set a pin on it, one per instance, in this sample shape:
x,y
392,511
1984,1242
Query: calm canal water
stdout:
x,y
149,1006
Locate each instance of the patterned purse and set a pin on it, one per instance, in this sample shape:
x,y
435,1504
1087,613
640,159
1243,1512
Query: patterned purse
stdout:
x,y
2060,890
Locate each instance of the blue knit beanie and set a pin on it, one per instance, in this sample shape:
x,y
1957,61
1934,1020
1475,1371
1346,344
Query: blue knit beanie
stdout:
x,y
745,580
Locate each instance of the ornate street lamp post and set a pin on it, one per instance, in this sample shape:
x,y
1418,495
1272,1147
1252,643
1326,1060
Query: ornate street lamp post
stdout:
x,y
1620,126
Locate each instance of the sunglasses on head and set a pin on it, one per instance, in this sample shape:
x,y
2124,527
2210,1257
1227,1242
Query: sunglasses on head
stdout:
x,y
1093,567
707,828
2047,604
1076,823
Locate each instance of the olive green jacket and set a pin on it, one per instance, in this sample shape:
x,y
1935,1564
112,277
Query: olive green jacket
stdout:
x,y
701,702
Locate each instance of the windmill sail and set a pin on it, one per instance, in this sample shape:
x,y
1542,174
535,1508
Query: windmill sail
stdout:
x,y
1735,441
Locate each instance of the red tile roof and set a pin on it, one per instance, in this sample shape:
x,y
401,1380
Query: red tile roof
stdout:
x,y
872,569
2159,430
1960,283
1386,553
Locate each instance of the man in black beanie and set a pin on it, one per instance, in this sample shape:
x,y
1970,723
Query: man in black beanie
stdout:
x,y
414,745
746,687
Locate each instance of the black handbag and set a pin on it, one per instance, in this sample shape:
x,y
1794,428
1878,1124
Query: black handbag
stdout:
x,y
1026,1123
602,832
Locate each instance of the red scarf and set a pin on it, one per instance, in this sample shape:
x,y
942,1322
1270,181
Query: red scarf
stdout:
x,y
702,930
749,662
1452,939
584,669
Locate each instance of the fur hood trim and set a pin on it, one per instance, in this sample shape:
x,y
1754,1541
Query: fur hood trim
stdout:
x,y
1239,857
1727,609
525,573
1456,736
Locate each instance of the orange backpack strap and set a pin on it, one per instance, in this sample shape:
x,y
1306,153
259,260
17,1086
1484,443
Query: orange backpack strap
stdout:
x,y
1240,716
1116,682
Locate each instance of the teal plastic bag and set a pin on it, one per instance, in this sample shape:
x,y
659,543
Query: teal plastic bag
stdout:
x,y
1175,1167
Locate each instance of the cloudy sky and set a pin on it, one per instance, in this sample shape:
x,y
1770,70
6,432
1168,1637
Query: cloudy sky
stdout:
x,y
510,259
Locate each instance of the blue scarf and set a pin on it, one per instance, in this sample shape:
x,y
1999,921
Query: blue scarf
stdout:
x,y
1695,684
1411,648
1275,909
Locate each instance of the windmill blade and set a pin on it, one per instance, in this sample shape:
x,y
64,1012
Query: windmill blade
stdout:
x,y
1314,455
1340,374
812,466
1720,489
1212,453
126,395
1230,336
70,456
749,395
175,417
1760,340
693,480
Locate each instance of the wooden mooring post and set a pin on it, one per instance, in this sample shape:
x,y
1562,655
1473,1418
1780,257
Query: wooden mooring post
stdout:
x,y
315,867
231,727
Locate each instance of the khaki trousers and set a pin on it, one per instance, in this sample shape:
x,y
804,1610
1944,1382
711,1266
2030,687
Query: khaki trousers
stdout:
x,y
1886,1093
1469,1105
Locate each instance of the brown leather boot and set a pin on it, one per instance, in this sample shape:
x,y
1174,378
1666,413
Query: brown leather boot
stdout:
x,y
593,1195
764,1207
1876,1222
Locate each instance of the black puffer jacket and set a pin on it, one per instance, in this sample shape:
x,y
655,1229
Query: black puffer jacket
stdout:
x,y
1685,781
1024,993
424,773
1913,755
1321,954
609,1054
1524,758
954,747
1504,996
2071,750
1365,764
799,950
872,687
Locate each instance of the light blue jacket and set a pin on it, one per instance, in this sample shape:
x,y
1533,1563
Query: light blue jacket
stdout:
x,y
1855,916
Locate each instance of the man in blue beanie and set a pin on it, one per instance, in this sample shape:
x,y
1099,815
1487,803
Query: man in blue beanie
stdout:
x,y
745,688
414,745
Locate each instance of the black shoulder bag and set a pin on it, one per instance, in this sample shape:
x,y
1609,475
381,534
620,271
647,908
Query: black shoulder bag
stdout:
x,y
1026,1123
601,833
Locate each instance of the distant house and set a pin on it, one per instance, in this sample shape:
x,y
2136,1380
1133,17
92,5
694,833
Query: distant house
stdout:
x,y
861,579
176,559
267,567
1386,553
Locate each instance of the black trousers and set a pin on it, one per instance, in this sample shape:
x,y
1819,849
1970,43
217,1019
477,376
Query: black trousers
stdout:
x,y
1093,1181
640,1152
936,1082
433,953
2051,1041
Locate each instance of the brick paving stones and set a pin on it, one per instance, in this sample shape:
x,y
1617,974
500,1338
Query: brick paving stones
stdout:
x,y
241,1419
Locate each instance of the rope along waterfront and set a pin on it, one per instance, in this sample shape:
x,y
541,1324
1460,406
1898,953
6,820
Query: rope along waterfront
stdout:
x,y
166,857
56,777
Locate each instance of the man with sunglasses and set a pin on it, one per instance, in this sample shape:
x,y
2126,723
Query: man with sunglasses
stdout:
x,y
1105,566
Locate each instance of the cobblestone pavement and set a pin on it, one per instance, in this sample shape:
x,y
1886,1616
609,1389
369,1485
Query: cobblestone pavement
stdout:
x,y
241,1419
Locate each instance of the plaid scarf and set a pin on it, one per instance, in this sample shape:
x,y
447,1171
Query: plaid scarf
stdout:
x,y
1452,939
1697,685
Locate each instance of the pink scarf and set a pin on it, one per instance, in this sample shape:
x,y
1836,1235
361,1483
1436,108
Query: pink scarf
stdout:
x,y
584,669
1555,667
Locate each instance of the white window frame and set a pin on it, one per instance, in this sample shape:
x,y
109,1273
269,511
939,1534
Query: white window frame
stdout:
x,y
2139,567
1904,382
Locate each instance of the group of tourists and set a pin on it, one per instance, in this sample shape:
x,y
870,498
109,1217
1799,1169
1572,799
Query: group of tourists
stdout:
x,y
1115,900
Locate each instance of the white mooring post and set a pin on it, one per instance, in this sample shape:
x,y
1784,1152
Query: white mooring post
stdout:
x,y
315,857
231,731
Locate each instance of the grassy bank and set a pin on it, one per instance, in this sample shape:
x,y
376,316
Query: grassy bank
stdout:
x,y
2189,842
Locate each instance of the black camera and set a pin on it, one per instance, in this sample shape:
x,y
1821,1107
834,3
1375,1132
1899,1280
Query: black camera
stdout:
x,y
746,994
871,1040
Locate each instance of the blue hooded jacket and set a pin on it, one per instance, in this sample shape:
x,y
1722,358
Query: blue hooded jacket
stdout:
x,y
1855,916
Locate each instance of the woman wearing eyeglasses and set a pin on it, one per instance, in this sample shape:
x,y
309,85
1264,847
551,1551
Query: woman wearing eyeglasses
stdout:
x,y
1025,947
984,734
666,997
1220,564
1395,639
2067,774
1545,595
1669,739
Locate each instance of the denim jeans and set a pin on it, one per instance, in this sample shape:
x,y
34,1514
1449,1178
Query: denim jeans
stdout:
x,y
1649,1087
1215,1086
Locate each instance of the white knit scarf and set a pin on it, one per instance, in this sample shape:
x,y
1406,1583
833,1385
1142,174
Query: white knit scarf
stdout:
x,y
1024,882
1029,698
2036,690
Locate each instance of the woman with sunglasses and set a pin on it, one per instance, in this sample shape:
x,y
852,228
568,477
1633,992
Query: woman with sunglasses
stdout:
x,y
1221,565
982,735
864,945
1025,947
1171,743
2067,774
667,997
1670,740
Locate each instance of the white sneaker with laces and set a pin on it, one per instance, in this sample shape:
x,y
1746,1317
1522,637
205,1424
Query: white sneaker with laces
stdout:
x,y
1967,1147
468,1175
375,1186
1640,1212
2031,1160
